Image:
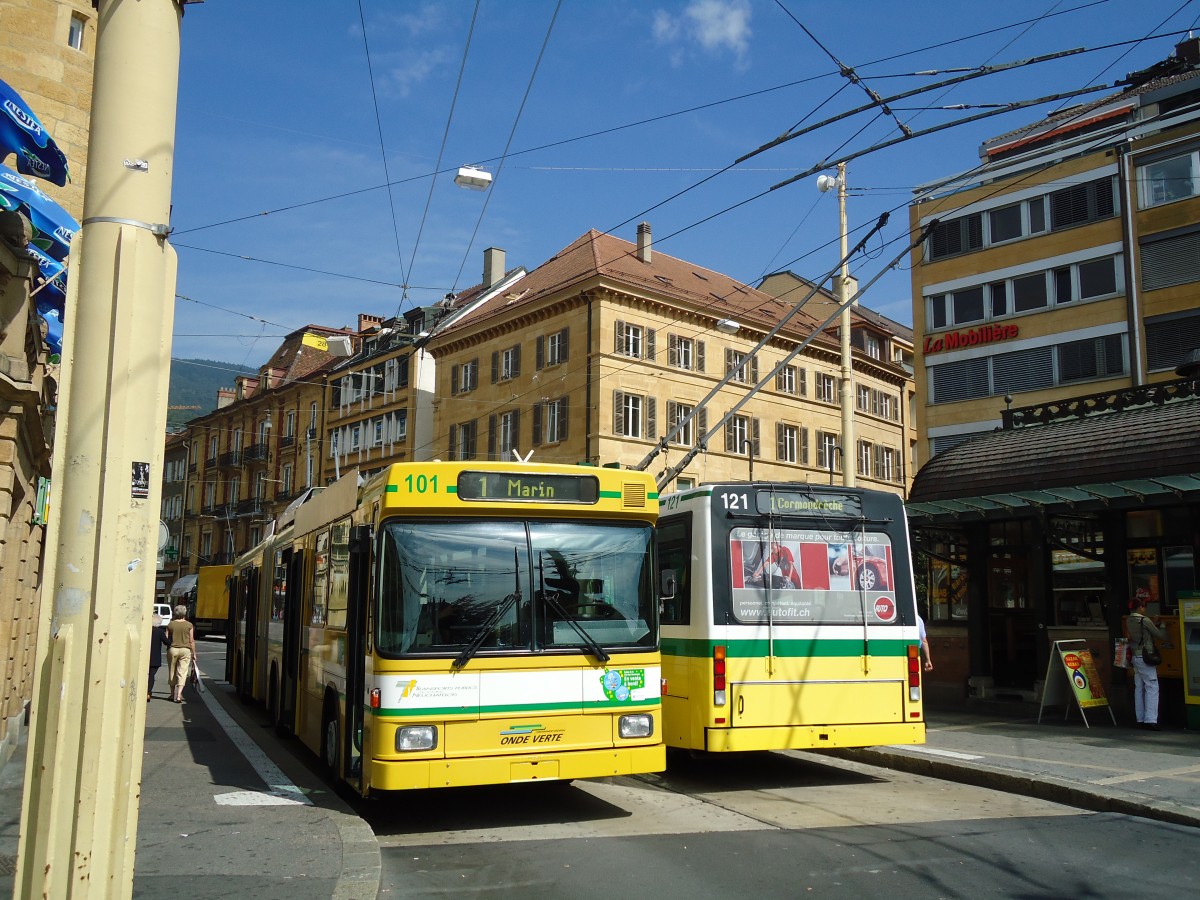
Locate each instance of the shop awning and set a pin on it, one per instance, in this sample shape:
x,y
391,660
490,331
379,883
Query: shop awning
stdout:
x,y
1115,459
183,585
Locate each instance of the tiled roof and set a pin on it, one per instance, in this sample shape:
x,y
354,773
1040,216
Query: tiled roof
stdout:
x,y
298,360
614,262
1133,443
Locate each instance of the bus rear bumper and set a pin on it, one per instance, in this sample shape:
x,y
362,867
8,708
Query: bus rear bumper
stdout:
x,y
401,775
812,737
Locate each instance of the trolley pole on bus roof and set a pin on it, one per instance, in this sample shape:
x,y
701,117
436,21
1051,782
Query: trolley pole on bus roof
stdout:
x,y
83,777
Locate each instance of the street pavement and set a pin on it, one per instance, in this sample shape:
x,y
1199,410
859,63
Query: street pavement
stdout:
x,y
219,817
222,819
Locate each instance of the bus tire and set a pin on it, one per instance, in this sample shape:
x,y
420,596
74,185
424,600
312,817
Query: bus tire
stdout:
x,y
329,737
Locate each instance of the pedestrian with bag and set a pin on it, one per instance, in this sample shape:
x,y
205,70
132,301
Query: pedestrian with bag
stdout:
x,y
158,640
183,649
1145,658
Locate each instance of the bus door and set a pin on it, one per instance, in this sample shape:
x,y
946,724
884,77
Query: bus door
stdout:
x,y
232,638
356,649
250,644
289,677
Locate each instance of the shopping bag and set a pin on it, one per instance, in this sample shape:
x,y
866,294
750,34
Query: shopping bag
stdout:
x,y
1121,655
197,678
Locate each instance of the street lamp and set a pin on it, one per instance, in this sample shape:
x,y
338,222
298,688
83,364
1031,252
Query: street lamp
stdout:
x,y
473,178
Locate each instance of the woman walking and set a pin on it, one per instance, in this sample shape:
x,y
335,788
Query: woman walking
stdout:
x,y
158,640
183,648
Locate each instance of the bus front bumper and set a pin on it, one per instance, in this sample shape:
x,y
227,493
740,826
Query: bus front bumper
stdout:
x,y
401,775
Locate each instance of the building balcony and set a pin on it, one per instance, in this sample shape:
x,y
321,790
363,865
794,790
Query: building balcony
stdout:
x,y
230,458
256,453
251,507
288,440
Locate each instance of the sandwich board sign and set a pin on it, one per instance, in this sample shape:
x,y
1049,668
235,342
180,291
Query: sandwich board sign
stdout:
x,y
1073,679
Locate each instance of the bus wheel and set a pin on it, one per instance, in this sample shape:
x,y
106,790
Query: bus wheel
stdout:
x,y
329,738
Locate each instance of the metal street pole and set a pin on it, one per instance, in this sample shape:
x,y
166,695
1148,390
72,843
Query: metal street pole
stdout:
x,y
83,777
847,382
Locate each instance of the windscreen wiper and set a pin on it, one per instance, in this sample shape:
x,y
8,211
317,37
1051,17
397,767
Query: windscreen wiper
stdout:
x,y
485,630
588,640
493,620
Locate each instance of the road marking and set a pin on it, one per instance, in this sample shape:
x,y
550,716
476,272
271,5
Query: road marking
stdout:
x,y
932,751
282,792
1146,776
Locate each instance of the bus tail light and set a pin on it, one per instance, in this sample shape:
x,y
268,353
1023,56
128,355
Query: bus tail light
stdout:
x,y
719,675
376,698
663,684
914,672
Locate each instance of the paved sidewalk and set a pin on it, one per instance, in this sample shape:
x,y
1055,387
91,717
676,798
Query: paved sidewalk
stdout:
x,y
1110,768
219,818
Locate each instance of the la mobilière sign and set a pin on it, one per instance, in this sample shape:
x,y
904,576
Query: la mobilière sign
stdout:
x,y
971,337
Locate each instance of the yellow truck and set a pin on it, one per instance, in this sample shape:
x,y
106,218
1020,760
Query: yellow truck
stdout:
x,y
207,598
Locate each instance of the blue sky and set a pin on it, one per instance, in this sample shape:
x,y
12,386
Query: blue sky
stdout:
x,y
277,109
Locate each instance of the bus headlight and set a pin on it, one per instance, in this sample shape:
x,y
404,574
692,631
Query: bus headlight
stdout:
x,y
416,737
637,726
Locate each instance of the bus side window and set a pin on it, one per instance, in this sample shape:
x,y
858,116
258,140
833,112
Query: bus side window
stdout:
x,y
674,556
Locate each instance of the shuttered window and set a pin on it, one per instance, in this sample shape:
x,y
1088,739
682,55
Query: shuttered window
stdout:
x,y
961,380
1082,203
1024,370
1171,261
1170,337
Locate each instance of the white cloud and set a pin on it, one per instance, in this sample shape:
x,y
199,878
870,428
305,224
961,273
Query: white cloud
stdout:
x,y
715,25
401,79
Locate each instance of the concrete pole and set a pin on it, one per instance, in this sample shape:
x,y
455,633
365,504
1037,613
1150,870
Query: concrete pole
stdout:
x,y
83,778
849,445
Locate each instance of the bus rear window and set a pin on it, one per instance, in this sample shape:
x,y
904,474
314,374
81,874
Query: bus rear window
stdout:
x,y
811,576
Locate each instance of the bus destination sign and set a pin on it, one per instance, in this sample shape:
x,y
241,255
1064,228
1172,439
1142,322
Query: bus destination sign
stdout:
x,y
791,503
528,487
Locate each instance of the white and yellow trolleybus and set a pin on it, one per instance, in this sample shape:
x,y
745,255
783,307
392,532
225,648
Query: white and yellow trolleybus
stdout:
x,y
450,623
793,621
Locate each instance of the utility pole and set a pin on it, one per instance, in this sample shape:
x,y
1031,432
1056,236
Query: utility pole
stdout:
x,y
850,453
83,777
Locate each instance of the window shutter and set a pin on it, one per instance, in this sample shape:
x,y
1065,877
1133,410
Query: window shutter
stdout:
x,y
672,351
780,446
537,422
672,415
516,358
754,437
453,441
618,412
619,337
540,353
802,377
1171,261
491,437
564,417
729,434
495,366
651,418
699,356
516,430
453,380
702,424
470,449
752,370
650,348
564,346
728,360
804,446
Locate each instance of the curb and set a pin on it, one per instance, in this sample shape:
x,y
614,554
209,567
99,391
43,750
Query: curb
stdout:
x,y
1042,787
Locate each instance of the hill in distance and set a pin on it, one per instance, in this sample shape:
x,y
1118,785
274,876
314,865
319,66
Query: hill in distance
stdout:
x,y
194,384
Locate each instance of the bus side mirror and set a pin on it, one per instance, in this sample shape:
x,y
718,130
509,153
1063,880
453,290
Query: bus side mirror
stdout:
x,y
667,584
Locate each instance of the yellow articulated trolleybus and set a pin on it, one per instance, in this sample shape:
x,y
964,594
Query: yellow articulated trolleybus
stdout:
x,y
792,624
468,623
